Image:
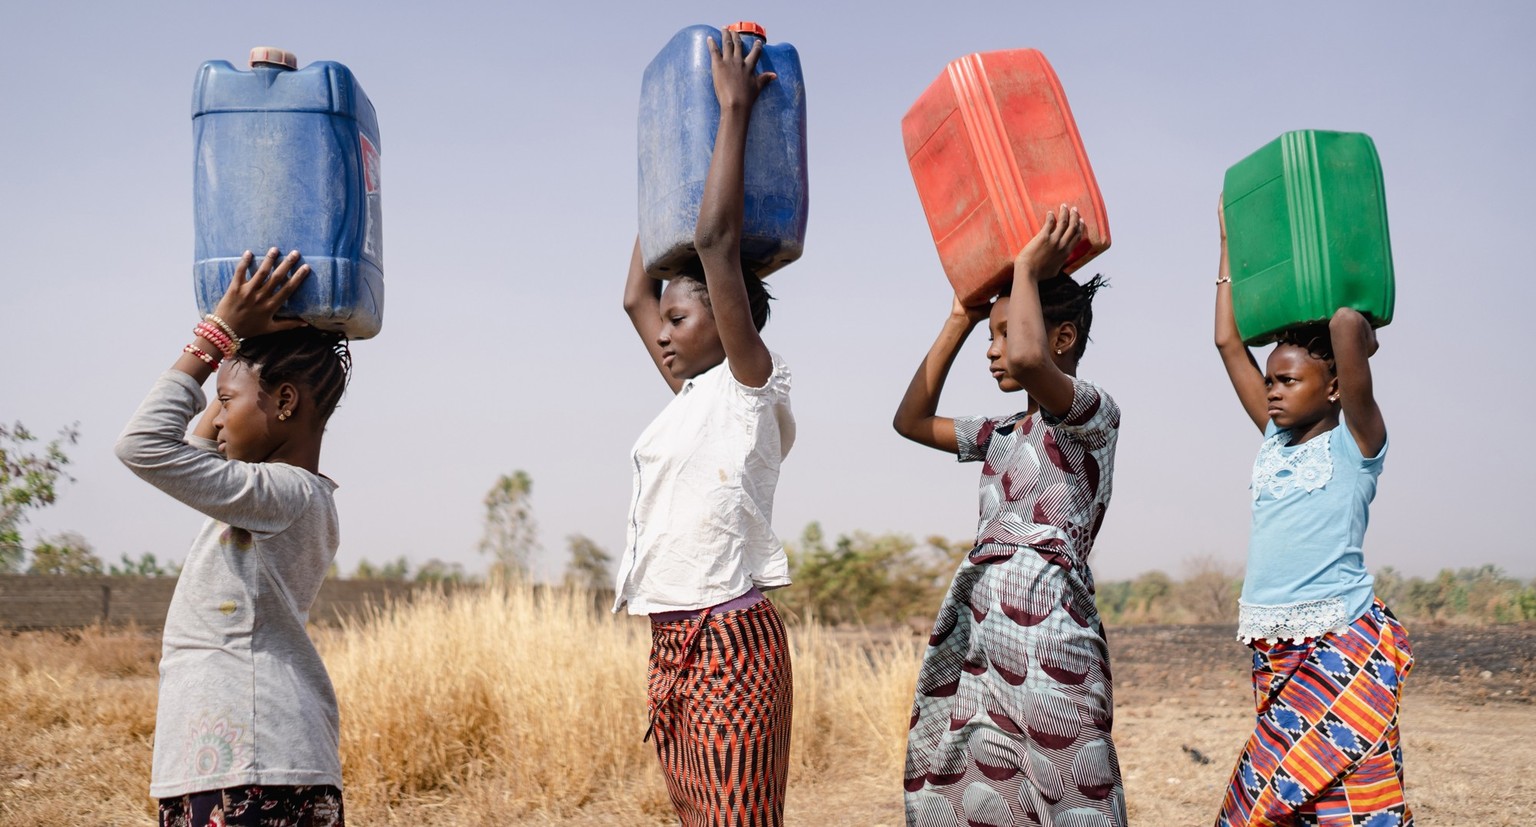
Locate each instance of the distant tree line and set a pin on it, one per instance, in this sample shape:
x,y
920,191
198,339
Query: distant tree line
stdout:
x,y
855,579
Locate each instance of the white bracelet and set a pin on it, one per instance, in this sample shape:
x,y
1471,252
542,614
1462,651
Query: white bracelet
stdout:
x,y
1224,280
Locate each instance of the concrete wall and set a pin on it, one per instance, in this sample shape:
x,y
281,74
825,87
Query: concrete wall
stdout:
x,y
44,602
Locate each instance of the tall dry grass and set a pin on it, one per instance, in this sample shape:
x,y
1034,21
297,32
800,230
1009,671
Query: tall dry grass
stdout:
x,y
528,703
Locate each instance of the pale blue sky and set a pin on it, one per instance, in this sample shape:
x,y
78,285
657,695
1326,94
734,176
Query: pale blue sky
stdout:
x,y
509,209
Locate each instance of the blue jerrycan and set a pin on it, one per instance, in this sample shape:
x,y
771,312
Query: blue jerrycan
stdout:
x,y
289,158
679,116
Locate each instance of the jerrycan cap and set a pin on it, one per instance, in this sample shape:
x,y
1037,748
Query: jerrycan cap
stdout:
x,y
272,56
748,27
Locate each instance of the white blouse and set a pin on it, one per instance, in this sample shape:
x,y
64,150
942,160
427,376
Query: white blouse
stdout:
x,y
705,471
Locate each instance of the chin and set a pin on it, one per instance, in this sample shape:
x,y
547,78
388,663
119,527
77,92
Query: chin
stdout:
x,y
1008,385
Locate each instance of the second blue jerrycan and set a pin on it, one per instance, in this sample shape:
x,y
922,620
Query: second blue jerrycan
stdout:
x,y
289,158
679,116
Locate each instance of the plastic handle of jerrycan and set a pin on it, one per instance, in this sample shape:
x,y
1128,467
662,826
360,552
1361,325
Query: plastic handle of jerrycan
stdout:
x,y
748,27
272,56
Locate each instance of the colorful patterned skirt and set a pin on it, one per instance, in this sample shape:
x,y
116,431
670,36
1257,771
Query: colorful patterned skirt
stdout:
x,y
721,696
1011,724
1325,750
255,806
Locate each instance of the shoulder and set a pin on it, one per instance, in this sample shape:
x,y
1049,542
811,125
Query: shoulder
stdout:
x,y
777,387
1343,443
1092,409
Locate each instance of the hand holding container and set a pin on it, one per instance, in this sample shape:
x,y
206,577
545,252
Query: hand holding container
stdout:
x,y
289,158
679,117
1307,233
993,147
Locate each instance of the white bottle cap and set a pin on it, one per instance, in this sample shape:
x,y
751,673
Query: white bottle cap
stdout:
x,y
272,56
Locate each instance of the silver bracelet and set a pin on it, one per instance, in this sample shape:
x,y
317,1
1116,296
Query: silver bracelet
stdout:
x,y
1224,280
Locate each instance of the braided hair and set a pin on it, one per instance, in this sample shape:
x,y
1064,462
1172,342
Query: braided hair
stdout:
x,y
318,360
757,292
1315,340
1064,300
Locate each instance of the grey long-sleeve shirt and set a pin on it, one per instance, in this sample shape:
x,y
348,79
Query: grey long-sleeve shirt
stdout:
x,y
244,696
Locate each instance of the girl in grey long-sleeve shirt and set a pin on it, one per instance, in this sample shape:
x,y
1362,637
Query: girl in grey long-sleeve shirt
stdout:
x,y
246,725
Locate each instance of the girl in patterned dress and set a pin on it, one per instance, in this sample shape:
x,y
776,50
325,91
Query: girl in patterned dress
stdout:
x,y
1329,657
246,728
701,548
1011,723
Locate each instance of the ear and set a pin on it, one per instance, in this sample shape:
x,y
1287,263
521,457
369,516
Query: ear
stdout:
x,y
1333,390
1063,339
288,400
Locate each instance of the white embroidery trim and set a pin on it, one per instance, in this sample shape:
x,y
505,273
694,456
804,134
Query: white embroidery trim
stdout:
x,y
1308,468
1292,621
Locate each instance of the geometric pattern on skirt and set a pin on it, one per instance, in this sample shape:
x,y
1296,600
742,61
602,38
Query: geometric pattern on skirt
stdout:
x,y
256,806
1014,706
721,696
1325,749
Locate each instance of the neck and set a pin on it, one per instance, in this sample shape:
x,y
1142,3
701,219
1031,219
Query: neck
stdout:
x,y
1322,426
300,454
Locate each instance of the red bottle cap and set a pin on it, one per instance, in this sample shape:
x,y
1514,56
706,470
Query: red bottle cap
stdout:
x,y
271,56
748,27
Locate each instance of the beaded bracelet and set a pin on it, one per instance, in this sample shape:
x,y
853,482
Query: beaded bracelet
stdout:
x,y
1224,280
199,353
216,337
228,331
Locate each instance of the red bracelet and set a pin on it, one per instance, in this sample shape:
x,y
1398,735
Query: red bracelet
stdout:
x,y
199,353
216,337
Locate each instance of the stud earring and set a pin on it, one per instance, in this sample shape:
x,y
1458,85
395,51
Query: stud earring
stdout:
x,y
282,416
1058,351
1333,398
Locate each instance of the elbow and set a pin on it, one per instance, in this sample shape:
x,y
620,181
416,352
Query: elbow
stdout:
x,y
129,450
902,425
1024,359
710,239
1227,340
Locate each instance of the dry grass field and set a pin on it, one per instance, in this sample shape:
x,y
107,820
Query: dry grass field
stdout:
x,y
507,709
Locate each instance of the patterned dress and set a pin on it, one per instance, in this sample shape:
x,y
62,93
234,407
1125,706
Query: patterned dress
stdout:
x,y
1011,724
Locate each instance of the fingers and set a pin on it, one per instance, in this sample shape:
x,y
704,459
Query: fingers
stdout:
x,y
764,79
242,269
292,284
714,49
752,55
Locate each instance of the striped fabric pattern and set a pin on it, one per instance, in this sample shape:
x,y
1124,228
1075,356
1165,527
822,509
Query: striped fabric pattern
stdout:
x,y
721,698
1326,749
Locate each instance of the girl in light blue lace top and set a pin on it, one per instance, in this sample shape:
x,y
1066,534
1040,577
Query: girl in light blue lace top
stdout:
x,y
1329,657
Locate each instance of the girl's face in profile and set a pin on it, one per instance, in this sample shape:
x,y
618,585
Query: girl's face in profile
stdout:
x,y
689,340
997,325
247,422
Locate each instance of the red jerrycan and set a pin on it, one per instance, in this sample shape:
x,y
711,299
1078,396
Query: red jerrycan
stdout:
x,y
993,147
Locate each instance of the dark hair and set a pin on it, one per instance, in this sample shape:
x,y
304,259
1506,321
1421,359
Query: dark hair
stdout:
x,y
1064,300
318,360
757,292
1314,339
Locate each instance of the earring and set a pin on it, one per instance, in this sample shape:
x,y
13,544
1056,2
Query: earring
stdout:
x,y
1333,398
282,416
1058,351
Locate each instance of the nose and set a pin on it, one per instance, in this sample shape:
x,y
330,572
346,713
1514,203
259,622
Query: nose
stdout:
x,y
663,338
994,349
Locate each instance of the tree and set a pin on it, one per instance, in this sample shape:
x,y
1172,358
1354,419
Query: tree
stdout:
x,y
437,571
146,565
398,570
29,478
511,535
588,567
66,553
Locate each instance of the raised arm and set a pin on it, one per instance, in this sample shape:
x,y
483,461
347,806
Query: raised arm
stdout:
x,y
915,417
642,301
1353,344
717,237
1244,372
1028,348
